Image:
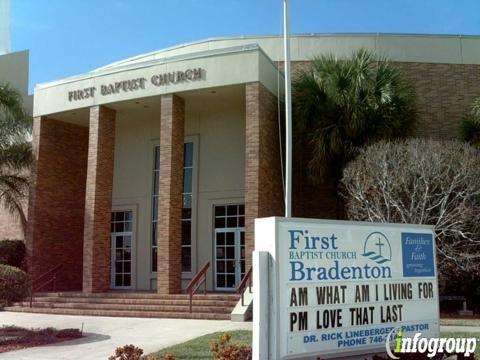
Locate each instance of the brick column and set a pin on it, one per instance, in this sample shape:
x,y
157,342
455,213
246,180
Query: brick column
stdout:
x,y
169,239
56,202
263,176
98,200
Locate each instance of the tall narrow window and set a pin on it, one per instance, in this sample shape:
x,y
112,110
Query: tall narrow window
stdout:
x,y
187,207
188,172
156,180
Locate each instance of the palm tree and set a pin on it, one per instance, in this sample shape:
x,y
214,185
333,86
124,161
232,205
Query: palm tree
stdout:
x,y
343,104
15,153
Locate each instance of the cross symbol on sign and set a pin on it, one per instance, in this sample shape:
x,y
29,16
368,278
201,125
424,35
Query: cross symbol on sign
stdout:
x,y
380,244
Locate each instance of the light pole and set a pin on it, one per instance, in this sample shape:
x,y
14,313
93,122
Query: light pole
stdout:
x,y
288,114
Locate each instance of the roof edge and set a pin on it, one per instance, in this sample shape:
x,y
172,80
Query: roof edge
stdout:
x,y
150,63
300,35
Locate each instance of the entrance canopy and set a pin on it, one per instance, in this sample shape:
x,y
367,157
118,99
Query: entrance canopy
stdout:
x,y
176,74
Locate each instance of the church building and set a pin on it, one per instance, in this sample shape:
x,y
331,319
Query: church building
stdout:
x,y
150,168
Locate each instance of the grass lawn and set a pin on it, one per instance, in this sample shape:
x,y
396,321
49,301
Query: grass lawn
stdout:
x,y
464,335
460,322
199,348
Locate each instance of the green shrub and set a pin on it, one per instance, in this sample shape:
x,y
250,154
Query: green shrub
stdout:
x,y
69,333
470,128
12,252
224,349
127,352
14,284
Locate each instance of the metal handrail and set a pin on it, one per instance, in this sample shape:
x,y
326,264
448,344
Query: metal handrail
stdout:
x,y
243,284
53,279
199,278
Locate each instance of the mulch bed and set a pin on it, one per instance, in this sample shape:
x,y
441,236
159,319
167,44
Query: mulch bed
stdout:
x,y
16,338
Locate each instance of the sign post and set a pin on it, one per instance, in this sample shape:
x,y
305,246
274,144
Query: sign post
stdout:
x,y
338,288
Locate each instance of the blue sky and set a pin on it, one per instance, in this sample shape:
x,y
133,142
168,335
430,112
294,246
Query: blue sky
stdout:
x,y
72,37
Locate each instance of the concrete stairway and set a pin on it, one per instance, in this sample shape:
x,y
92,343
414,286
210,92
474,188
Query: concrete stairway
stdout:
x,y
211,306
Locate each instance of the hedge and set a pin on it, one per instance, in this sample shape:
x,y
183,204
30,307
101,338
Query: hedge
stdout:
x,y
14,284
12,252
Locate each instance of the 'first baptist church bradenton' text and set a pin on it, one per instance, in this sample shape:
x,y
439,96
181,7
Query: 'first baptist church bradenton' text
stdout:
x,y
316,247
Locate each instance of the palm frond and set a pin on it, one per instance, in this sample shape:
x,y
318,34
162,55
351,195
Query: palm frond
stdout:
x,y
15,152
343,104
15,123
14,194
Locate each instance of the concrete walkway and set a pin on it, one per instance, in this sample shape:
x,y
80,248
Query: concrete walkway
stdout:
x,y
105,334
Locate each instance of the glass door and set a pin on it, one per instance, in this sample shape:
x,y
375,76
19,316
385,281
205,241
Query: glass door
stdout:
x,y
122,243
229,247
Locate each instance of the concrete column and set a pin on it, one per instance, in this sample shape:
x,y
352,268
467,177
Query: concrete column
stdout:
x,y
169,239
263,176
98,200
56,201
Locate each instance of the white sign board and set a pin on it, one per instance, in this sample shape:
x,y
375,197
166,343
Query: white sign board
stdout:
x,y
338,288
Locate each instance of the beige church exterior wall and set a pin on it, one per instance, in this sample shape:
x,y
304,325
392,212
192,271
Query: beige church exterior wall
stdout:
x,y
216,123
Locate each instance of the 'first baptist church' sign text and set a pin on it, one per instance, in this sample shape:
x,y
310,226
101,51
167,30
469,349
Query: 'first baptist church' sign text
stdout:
x,y
136,84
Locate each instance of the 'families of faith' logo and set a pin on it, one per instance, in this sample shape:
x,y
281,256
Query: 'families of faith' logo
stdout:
x,y
377,248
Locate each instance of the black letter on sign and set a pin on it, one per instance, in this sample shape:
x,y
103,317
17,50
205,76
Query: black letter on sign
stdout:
x,y
303,296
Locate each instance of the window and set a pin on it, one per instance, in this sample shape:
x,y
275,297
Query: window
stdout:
x,y
156,179
187,207
229,216
187,198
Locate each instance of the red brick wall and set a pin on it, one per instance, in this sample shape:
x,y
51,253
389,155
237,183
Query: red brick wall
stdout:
x,y
169,239
57,197
98,200
444,94
263,177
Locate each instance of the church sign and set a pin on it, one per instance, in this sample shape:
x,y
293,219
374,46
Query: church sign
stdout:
x,y
341,288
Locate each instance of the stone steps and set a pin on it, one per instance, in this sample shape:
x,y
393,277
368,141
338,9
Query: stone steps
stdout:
x,y
132,307
210,306
140,295
135,301
121,313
